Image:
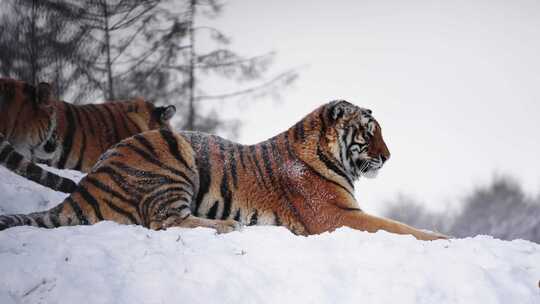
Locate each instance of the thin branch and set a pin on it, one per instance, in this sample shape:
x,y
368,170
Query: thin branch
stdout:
x,y
125,23
270,83
233,63
130,40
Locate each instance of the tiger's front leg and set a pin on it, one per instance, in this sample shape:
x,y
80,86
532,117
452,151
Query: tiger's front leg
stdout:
x,y
365,222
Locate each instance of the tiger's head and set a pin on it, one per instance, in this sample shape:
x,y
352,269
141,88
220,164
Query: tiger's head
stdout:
x,y
354,139
27,118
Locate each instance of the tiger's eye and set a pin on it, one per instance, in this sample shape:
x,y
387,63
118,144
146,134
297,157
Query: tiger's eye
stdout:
x,y
50,146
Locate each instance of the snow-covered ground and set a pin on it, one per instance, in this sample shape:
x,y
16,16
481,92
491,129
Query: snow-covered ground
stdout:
x,y
110,263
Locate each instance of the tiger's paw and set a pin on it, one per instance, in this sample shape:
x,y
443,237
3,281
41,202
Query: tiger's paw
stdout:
x,y
225,226
432,236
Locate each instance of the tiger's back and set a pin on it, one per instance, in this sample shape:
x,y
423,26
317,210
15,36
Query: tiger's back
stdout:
x,y
84,132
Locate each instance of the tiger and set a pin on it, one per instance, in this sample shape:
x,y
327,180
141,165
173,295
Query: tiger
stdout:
x,y
28,120
301,179
70,136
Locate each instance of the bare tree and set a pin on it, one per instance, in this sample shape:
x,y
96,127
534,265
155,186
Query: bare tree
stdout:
x,y
150,48
113,28
36,45
176,70
221,62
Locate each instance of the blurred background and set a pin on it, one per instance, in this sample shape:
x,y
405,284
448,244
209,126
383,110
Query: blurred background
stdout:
x,y
454,84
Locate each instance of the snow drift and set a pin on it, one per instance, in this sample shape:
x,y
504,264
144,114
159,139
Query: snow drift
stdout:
x,y
110,263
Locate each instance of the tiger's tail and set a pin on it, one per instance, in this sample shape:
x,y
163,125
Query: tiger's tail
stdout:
x,y
46,219
18,164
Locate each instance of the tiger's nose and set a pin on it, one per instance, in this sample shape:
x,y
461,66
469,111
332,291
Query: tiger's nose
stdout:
x,y
384,158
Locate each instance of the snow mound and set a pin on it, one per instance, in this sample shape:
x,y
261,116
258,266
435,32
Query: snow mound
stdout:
x,y
111,263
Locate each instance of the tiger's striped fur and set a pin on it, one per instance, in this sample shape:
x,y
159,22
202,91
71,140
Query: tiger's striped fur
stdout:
x,y
27,119
63,135
301,179
16,162
84,132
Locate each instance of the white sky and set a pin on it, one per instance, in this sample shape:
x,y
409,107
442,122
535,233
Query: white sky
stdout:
x,y
454,84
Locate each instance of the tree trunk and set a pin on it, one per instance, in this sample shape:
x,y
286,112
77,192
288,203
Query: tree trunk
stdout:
x,y
190,125
110,94
34,47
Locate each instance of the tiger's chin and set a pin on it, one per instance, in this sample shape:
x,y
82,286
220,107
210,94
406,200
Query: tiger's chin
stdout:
x,y
371,174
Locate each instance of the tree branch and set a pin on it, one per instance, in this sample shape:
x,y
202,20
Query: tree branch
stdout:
x,y
288,76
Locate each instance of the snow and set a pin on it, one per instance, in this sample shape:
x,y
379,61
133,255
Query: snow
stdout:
x,y
111,263
18,195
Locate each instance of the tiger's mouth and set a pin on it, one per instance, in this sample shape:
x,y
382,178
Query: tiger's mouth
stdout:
x,y
368,167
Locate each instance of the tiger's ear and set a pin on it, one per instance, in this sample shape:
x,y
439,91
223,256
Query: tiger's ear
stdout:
x,y
339,109
43,93
166,113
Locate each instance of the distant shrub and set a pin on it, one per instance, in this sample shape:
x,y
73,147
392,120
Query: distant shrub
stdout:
x,y
501,210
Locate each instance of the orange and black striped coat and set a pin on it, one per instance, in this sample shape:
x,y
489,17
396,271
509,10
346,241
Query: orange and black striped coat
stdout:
x,y
37,129
84,132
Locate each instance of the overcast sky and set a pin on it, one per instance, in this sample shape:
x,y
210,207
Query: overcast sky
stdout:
x,y
454,84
